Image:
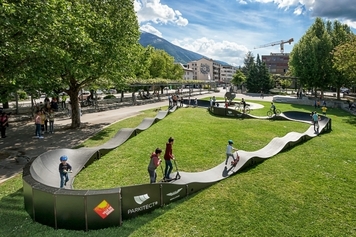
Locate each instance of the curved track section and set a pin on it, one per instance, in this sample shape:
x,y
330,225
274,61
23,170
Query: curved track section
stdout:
x,y
96,209
44,168
247,159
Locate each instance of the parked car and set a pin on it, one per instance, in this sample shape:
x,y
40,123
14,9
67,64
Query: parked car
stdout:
x,y
344,90
84,95
99,92
112,91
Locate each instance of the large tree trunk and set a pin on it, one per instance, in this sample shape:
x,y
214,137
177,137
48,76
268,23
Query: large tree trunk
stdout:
x,y
76,108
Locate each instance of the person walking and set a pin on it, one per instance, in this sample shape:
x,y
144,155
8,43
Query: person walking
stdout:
x,y
38,121
50,117
4,123
315,118
168,156
323,109
155,161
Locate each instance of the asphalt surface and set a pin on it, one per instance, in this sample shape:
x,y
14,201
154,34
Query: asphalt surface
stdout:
x,y
20,146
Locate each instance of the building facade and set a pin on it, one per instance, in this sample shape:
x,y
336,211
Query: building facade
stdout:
x,y
188,72
209,70
277,63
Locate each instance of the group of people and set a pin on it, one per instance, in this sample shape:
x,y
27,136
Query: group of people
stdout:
x,y
44,117
155,161
174,99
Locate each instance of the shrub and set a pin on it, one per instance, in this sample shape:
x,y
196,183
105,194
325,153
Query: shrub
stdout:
x,y
109,97
22,95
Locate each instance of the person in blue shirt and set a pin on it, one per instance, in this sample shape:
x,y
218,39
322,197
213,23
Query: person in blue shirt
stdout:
x,y
315,118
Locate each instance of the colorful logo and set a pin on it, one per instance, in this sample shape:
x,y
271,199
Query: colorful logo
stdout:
x,y
103,209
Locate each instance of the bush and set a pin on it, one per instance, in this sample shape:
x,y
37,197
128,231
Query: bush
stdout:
x,y
22,95
109,97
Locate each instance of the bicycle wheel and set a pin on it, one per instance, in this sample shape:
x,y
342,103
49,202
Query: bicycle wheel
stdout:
x,y
247,110
278,112
269,114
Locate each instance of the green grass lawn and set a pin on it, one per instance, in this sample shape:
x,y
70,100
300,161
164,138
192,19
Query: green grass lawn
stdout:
x,y
306,191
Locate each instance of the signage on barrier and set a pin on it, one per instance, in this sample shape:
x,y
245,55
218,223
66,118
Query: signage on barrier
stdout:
x,y
104,209
140,199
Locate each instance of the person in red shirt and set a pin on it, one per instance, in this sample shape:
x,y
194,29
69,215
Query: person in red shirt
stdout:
x,y
155,161
168,156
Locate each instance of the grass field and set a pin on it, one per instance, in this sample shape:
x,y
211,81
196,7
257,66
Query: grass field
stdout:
x,y
306,191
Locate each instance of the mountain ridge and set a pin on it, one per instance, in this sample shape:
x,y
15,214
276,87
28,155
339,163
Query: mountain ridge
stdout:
x,y
179,54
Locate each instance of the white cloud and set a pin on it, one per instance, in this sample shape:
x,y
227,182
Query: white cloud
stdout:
x,y
226,51
350,23
242,2
156,12
150,29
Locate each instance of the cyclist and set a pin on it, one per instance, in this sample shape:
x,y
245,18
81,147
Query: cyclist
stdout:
x,y
273,108
243,104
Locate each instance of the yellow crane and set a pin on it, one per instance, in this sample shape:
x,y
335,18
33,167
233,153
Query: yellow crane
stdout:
x,y
280,43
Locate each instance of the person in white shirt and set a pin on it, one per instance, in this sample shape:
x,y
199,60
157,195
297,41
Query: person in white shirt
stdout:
x,y
229,152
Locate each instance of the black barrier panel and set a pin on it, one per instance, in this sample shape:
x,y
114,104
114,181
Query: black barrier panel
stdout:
x,y
195,187
70,209
43,203
173,192
140,199
28,183
103,208
225,112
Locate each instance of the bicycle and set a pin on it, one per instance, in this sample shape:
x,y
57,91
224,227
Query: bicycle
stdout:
x,y
239,107
270,113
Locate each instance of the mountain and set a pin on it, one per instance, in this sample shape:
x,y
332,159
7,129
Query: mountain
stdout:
x,y
178,53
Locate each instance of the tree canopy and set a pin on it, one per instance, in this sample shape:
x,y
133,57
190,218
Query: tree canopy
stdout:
x,y
68,45
311,58
344,59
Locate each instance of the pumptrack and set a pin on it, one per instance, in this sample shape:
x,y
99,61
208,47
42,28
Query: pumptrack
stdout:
x,y
75,209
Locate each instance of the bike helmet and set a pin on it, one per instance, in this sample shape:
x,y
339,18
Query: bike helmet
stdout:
x,y
231,142
63,158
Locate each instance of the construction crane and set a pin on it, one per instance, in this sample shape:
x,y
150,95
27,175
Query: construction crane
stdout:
x,y
281,44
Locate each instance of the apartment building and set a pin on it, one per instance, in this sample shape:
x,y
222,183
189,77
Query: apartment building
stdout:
x,y
277,63
209,70
188,72
227,72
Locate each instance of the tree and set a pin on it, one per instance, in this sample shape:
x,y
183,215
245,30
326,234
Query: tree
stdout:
x,y
344,60
22,64
54,44
258,78
249,61
239,78
311,59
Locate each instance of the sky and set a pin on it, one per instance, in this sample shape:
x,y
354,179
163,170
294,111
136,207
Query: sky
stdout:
x,y
227,29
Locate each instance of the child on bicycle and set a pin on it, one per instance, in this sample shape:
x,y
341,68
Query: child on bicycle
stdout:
x,y
273,108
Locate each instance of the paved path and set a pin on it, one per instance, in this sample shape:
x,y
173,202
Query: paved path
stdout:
x,y
19,146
